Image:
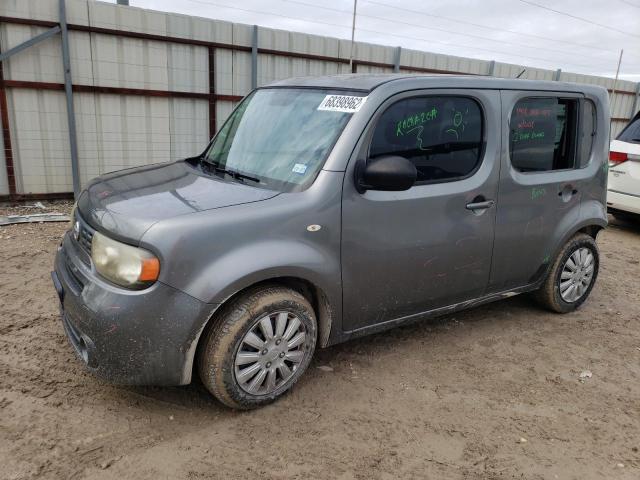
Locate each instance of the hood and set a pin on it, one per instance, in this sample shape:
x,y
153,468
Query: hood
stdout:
x,y
127,203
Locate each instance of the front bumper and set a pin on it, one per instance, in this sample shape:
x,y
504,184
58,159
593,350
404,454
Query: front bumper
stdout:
x,y
145,337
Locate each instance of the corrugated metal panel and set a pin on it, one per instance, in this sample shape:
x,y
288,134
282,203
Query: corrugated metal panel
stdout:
x,y
131,19
129,62
197,28
275,67
189,127
42,62
241,73
114,132
40,139
272,67
188,68
45,10
616,128
223,110
373,53
224,72
242,34
132,131
416,58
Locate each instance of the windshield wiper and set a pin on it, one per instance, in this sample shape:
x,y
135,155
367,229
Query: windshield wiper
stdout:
x,y
232,173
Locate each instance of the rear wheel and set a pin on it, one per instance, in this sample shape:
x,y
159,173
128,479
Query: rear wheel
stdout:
x,y
572,275
258,347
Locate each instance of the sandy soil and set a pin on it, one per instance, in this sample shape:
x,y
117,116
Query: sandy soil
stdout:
x,y
491,393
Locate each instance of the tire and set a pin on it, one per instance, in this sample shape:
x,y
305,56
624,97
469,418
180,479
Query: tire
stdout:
x,y
234,385
549,295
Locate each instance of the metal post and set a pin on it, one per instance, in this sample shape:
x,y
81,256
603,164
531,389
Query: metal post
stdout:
x,y
615,84
254,58
353,34
396,60
556,76
492,68
71,118
212,91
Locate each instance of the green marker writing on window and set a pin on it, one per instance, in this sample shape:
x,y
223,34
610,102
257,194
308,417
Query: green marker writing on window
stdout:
x,y
458,125
409,123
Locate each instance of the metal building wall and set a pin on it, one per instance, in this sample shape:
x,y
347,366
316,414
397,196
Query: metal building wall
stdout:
x,y
120,130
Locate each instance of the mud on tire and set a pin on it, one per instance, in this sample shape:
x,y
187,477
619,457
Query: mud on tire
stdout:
x,y
549,295
227,334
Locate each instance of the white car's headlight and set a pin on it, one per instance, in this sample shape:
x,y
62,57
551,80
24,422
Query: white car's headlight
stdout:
x,y
123,264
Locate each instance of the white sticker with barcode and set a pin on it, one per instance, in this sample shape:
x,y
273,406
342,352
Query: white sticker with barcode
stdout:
x,y
342,103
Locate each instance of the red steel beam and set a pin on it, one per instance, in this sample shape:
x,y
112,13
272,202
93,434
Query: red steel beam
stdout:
x,y
18,197
119,90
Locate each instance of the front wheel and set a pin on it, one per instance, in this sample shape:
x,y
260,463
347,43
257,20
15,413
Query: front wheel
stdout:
x,y
258,347
572,275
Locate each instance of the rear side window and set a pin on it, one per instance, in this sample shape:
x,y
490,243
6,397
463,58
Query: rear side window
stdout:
x,y
442,136
631,132
543,134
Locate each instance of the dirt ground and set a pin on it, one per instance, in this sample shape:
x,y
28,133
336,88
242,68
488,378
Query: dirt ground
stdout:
x,y
491,393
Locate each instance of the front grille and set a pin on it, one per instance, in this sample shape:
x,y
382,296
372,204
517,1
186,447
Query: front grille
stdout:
x,y
82,237
85,237
73,277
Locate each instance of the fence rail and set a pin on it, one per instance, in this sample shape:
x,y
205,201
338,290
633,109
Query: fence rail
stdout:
x,y
233,67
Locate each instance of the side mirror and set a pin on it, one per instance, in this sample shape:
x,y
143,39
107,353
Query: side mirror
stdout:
x,y
388,173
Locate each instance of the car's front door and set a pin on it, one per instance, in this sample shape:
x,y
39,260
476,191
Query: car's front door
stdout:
x,y
404,253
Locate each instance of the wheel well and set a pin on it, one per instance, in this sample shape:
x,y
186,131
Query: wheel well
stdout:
x,y
316,298
311,292
591,230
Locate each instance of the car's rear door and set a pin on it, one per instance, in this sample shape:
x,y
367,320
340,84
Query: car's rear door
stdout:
x,y
541,183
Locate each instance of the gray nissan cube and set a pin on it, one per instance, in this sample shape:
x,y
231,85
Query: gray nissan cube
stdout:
x,y
328,208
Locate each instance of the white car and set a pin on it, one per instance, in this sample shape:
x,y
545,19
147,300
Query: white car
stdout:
x,y
623,191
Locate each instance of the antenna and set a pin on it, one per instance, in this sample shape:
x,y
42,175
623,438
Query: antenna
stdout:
x,y
520,74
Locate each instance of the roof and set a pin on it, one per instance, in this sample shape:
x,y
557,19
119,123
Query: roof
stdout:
x,y
368,82
352,81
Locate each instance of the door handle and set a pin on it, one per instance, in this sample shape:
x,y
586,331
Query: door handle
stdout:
x,y
567,192
483,205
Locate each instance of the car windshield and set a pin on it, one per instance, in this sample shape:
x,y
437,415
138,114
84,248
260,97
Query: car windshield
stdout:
x,y
631,133
279,138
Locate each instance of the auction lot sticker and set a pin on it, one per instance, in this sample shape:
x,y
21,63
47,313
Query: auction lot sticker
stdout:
x,y
342,103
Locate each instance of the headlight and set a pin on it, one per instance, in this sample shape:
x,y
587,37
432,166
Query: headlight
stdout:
x,y
123,264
